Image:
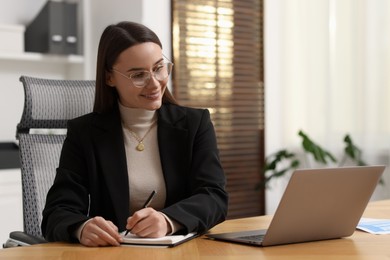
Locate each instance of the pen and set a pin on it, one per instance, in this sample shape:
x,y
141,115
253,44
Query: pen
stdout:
x,y
149,200
147,203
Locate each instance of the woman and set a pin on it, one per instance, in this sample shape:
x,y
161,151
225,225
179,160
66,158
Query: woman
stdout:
x,y
135,141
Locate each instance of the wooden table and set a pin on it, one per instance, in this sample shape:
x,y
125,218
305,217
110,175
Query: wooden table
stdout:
x,y
360,245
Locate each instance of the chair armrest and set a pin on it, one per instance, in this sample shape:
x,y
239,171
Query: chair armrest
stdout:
x,y
19,238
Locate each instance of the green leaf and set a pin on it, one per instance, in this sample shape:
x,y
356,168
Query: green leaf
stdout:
x,y
320,155
352,151
271,169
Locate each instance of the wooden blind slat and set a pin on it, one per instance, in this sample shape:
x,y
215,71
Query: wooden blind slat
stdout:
x,y
217,51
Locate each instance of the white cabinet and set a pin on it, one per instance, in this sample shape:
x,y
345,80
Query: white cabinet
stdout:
x,y
15,64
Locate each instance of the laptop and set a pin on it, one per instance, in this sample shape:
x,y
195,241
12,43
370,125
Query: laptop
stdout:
x,y
318,204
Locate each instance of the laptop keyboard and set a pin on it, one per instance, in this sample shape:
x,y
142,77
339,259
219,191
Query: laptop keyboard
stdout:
x,y
253,238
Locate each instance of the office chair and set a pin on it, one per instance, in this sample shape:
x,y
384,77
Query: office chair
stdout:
x,y
48,105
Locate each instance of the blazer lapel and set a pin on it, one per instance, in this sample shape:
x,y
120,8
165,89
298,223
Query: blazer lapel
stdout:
x,y
173,147
111,156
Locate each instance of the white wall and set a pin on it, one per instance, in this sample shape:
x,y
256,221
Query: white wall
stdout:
x,y
326,73
154,14
19,11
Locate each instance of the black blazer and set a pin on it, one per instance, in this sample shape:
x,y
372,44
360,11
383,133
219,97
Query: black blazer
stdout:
x,y
92,177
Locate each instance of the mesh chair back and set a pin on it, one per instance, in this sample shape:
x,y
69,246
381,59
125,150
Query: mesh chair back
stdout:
x,y
40,156
49,104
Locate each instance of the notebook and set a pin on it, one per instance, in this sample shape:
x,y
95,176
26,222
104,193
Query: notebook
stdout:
x,y
166,241
318,204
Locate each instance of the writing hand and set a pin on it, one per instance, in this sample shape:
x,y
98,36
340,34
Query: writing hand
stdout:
x,y
148,222
100,232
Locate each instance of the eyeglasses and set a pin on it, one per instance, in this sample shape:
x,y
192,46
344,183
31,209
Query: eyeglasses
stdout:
x,y
141,78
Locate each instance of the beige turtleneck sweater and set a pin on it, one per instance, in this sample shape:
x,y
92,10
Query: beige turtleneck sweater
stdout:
x,y
144,167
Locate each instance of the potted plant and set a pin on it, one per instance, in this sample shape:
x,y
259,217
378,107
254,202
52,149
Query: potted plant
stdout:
x,y
283,161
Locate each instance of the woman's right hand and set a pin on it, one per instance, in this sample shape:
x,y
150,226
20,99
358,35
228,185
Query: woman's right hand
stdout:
x,y
100,232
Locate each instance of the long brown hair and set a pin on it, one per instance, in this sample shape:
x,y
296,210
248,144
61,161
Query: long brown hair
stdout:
x,y
114,40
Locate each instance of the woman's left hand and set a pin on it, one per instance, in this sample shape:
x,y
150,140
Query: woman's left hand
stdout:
x,y
148,222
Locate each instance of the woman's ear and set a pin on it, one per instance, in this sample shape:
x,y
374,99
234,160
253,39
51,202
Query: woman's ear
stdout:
x,y
109,79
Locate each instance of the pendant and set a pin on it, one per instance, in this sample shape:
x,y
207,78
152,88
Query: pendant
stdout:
x,y
140,147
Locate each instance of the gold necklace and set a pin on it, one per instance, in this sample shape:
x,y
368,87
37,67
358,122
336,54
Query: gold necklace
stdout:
x,y
140,147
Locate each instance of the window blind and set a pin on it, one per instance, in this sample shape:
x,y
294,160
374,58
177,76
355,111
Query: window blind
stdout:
x,y
218,56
